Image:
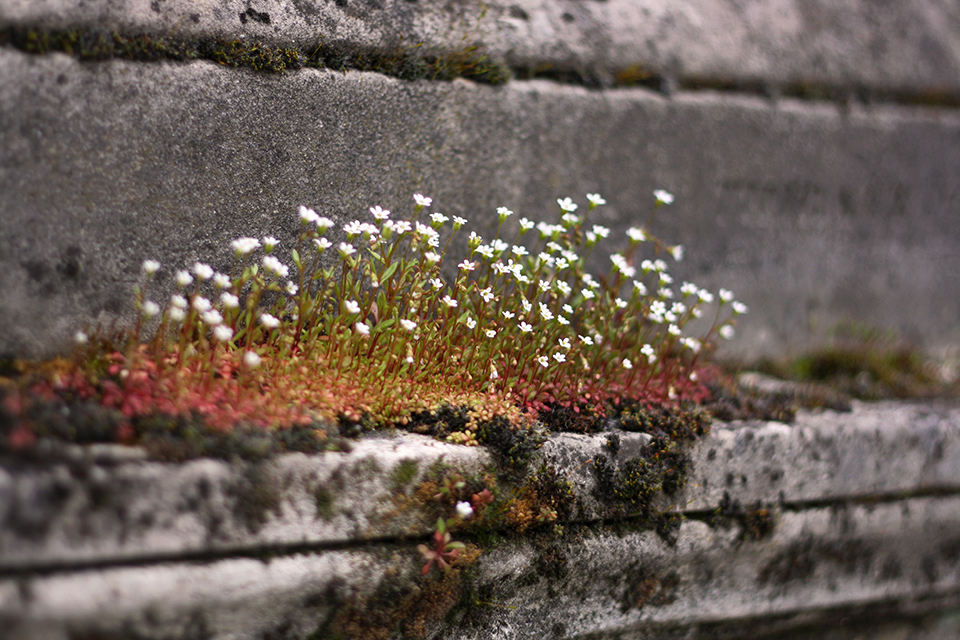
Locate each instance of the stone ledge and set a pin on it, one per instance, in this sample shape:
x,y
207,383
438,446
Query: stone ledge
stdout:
x,y
913,47
180,159
852,492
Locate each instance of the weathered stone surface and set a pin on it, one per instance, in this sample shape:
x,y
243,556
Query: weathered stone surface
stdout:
x,y
913,47
809,212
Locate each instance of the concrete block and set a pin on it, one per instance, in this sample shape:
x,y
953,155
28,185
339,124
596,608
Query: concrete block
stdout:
x,y
811,213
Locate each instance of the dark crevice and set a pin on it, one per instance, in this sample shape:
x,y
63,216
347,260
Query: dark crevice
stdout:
x,y
407,63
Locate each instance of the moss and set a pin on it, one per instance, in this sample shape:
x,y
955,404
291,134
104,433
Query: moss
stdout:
x,y
756,522
325,502
404,473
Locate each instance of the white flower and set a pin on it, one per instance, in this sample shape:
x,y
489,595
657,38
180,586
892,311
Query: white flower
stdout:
x,y
525,328
587,340
544,285
559,357
725,295
640,287
570,219
688,289
508,314
567,205
487,294
438,218
450,302
346,249
636,235
544,361
179,302
527,306
562,264
307,215
692,343
221,280
660,265
519,250
466,265
493,373
269,242
322,244
362,328
177,315
491,333
201,304
677,252
697,312
499,246
705,296
595,200
81,338
567,308
270,263
647,350
353,228
565,289
380,213
503,212
437,283
545,312
587,294
229,300
409,325
621,303
251,360
665,278
150,309
739,308
184,278
422,200
526,225
291,288
351,306
727,332
603,232
150,267
470,322
431,257
243,246
323,224
663,292
269,321
627,364
663,196
464,510
212,317
562,320
564,342
459,222
673,330
485,250
222,332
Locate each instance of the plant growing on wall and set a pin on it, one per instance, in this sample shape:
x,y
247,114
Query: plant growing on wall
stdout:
x,y
379,333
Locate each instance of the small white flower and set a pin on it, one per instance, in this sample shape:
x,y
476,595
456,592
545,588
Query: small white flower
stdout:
x,y
692,343
466,265
567,308
567,205
450,302
595,199
221,280
565,289
697,312
727,332
291,288
603,232
243,246
526,225
184,278
587,294
665,278
362,328
464,510
677,252
222,332
307,215
491,333
459,222
663,196
544,285
493,374
570,219
150,309
470,322
251,360
380,213
559,357
150,267
323,224
81,338
431,257
436,283
640,287
438,218
527,305
564,342
663,292
739,308
705,296
587,340
627,364
688,289
229,300
519,250
621,303
271,264
503,212
269,321
321,244
177,315
545,313
211,317
353,228
179,301
725,295
660,265
487,294
525,328
508,314
422,200
562,320
485,250
648,351
346,249
544,361
351,306
269,242
201,304
673,330
408,325
408,359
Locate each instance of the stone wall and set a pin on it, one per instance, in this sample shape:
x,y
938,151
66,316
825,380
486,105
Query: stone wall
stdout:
x,y
812,146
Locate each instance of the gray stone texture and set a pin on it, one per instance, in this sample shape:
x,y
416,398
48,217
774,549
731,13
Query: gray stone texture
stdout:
x,y
864,509
810,212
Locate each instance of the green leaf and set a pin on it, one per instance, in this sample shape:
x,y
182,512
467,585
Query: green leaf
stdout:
x,y
296,259
388,273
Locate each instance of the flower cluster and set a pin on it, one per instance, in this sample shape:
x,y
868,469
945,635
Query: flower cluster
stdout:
x,y
519,320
